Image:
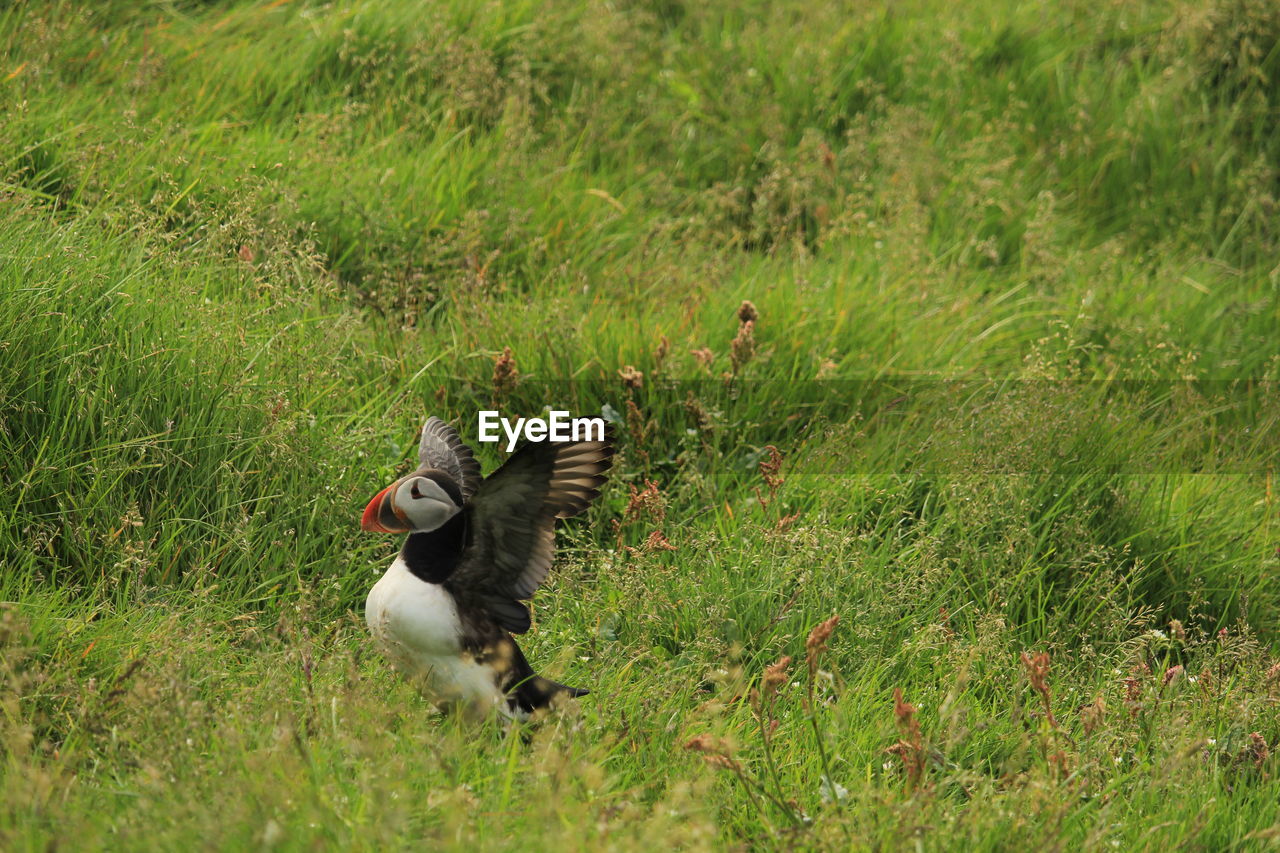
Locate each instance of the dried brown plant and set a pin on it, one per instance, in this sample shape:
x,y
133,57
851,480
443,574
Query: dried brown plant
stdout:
x,y
505,373
715,752
763,701
660,352
743,347
1093,715
910,746
1133,695
1256,751
631,378
700,417
775,675
637,426
770,470
1037,668
645,502
657,541
817,642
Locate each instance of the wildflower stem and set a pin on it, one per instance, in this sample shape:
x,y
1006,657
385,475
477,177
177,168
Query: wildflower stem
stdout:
x,y
769,761
747,786
811,713
751,784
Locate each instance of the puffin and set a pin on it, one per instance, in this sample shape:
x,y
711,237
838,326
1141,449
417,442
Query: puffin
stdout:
x,y
445,611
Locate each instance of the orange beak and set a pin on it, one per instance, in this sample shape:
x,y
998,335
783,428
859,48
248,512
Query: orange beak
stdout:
x,y
376,515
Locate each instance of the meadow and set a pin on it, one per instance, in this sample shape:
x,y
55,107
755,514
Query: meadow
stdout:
x,y
941,342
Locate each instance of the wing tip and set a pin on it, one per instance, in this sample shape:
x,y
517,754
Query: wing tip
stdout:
x,y
580,471
462,457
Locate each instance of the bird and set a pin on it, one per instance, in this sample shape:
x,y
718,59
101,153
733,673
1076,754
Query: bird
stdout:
x,y
446,610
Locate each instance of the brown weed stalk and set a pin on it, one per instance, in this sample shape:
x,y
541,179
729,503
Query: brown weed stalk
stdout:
x,y
632,379
743,348
910,745
660,353
814,648
1256,751
1037,668
505,373
763,701
717,753
639,428
771,471
1038,674
1093,715
647,502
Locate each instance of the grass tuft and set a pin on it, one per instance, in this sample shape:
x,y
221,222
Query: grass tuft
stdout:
x,y
941,345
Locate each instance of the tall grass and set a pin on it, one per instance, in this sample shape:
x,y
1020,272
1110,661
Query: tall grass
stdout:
x,y
959,323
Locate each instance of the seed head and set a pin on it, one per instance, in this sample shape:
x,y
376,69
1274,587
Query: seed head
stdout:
x,y
1037,670
701,743
658,541
904,712
713,750
660,352
775,675
505,373
1093,715
1038,674
743,346
817,642
770,468
631,377
637,425
1257,751
647,502
910,746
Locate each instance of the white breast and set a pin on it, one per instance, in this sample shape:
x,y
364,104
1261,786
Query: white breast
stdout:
x,y
416,625
405,611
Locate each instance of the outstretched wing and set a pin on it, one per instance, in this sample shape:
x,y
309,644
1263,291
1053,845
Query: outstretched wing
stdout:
x,y
441,448
512,519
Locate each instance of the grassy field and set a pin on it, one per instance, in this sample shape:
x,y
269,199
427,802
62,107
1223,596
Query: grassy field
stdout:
x,y
958,322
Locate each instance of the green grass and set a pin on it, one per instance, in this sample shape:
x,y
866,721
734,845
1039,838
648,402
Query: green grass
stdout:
x,y
1017,340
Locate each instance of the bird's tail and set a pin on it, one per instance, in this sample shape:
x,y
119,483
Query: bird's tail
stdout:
x,y
538,692
555,687
531,691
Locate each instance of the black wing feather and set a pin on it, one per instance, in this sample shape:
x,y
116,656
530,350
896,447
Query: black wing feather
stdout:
x,y
441,448
512,523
